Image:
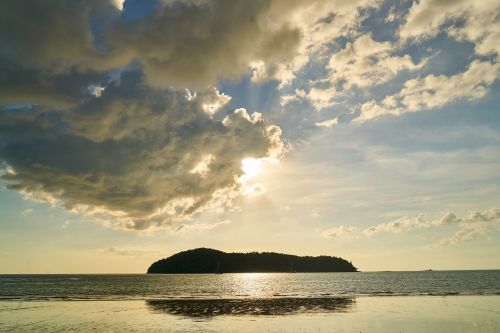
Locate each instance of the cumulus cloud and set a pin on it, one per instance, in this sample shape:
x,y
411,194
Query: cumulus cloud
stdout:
x,y
178,44
464,234
465,20
434,91
373,109
321,23
136,157
53,35
363,63
474,21
322,98
404,223
119,118
366,62
213,100
194,43
448,219
475,225
487,216
297,96
470,227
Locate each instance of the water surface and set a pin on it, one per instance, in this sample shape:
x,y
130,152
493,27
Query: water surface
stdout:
x,y
255,285
436,301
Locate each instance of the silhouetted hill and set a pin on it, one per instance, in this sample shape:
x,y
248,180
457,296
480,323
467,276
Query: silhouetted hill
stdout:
x,y
205,260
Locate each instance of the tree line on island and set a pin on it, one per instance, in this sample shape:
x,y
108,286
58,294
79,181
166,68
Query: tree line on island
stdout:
x,y
204,260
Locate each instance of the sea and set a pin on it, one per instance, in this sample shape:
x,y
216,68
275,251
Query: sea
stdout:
x,y
425,301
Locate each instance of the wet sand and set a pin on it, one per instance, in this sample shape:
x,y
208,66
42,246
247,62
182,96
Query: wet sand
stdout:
x,y
360,314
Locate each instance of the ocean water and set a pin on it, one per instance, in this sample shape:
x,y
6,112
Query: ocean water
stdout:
x,y
252,285
437,301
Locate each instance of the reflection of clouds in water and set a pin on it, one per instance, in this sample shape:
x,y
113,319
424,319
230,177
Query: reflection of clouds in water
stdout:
x,y
256,306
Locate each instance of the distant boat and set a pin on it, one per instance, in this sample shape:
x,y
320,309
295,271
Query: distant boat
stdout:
x,y
428,270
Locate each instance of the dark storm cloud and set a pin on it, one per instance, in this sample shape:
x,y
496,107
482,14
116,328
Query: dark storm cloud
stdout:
x,y
94,114
131,153
191,45
47,51
179,44
19,84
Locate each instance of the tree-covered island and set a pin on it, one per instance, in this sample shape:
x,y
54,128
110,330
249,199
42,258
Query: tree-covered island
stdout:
x,y
203,260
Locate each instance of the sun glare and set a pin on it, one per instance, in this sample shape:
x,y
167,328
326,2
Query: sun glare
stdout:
x,y
251,167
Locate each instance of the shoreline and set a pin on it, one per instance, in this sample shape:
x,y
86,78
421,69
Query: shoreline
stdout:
x,y
232,298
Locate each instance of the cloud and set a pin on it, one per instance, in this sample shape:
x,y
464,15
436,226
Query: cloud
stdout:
x,y
465,233
136,157
96,126
372,109
366,62
328,123
321,23
448,219
213,100
470,227
27,211
128,251
197,43
475,225
178,44
434,91
340,231
363,63
183,228
474,21
487,216
405,223
322,98
118,116
286,99
63,37
194,44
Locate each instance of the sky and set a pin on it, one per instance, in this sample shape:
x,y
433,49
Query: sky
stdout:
x,y
132,130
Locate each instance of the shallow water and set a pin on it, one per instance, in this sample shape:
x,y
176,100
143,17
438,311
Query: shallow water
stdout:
x,y
360,314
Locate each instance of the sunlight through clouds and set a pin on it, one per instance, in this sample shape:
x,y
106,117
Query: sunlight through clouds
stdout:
x,y
251,167
374,122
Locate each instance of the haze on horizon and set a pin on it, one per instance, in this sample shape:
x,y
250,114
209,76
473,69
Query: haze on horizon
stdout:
x,y
132,130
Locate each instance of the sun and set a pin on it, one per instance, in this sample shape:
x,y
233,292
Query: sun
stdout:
x,y
251,167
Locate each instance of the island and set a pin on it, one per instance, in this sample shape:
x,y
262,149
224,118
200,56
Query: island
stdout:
x,y
204,260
